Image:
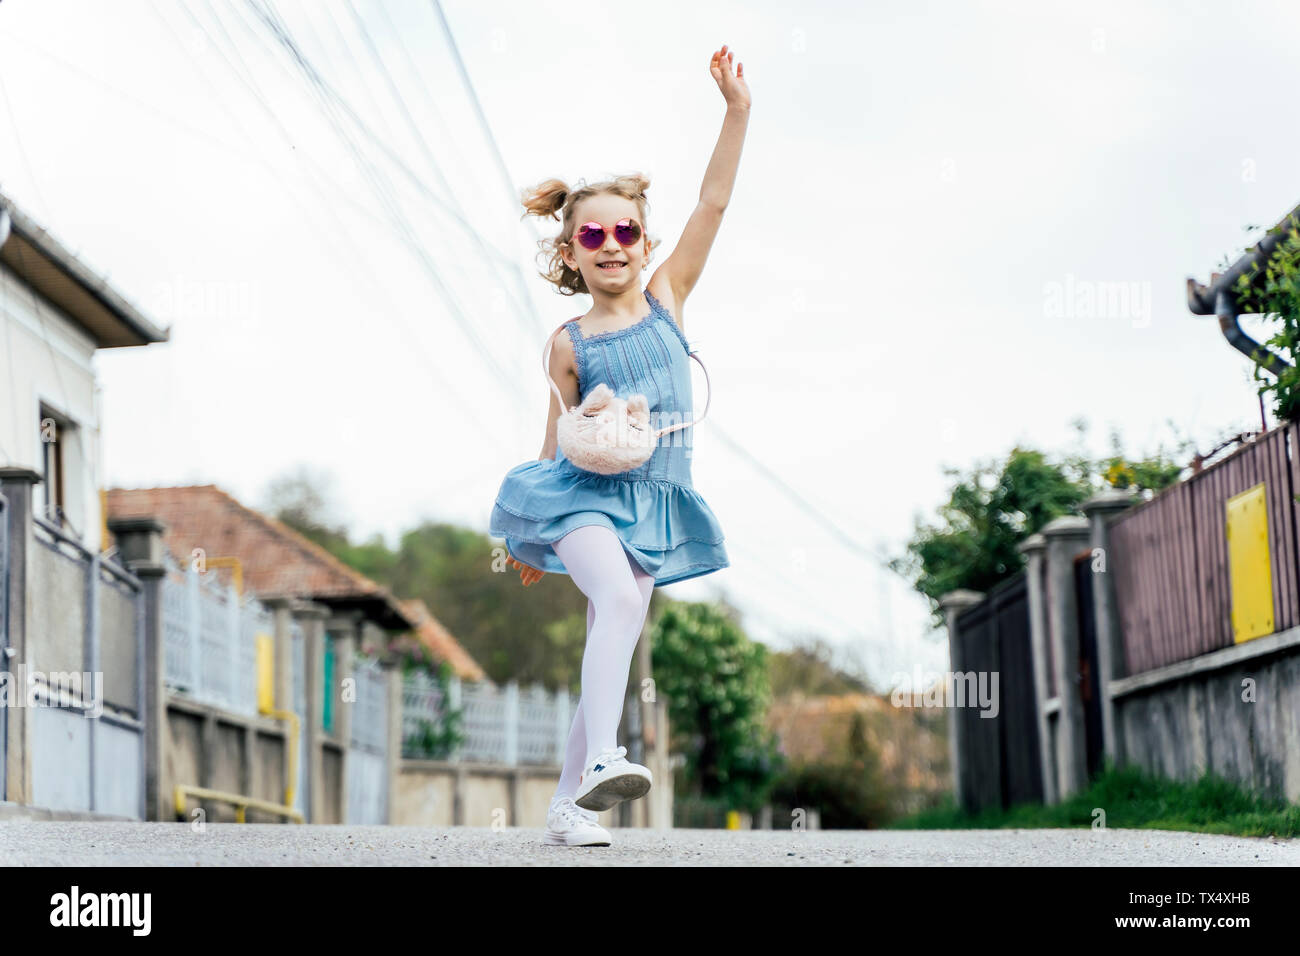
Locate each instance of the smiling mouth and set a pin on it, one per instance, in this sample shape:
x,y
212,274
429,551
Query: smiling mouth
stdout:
x,y
611,266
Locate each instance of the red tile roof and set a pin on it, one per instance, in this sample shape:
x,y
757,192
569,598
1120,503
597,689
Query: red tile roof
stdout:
x,y
439,641
276,560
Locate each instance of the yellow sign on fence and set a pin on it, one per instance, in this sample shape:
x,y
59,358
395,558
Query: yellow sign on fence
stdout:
x,y
1250,568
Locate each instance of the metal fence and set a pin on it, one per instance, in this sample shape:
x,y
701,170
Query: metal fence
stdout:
x,y
86,660
298,640
368,756
211,638
1172,586
500,724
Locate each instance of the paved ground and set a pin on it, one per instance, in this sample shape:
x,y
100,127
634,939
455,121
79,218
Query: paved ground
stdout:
x,y
98,843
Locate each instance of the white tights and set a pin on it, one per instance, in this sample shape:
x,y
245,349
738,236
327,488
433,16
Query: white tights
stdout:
x,y
618,596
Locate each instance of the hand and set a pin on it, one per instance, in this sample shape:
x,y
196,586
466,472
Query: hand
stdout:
x,y
734,89
527,574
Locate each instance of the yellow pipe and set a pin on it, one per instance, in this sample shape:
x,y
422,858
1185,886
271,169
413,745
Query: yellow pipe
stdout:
x,y
241,802
291,790
234,565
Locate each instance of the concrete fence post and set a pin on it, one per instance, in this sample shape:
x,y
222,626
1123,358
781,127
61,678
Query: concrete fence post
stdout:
x,y
396,687
140,545
1101,510
1033,549
1065,536
313,619
344,629
282,676
952,604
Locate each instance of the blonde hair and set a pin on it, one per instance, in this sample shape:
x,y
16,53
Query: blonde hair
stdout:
x,y
553,196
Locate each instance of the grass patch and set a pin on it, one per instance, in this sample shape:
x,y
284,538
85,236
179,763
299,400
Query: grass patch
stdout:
x,y
1133,799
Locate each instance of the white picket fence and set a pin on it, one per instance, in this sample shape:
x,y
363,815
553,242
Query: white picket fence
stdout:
x,y
211,639
211,656
501,724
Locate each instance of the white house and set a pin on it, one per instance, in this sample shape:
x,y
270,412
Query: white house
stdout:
x,y
54,314
71,629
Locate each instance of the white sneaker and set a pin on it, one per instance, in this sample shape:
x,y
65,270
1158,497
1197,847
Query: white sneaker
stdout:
x,y
611,779
567,824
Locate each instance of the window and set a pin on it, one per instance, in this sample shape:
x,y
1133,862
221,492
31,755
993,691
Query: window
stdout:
x,y
53,430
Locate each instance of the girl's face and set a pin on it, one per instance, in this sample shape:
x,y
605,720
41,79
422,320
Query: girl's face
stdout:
x,y
607,209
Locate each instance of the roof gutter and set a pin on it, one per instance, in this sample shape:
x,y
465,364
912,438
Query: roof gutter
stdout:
x,y
14,223
1219,297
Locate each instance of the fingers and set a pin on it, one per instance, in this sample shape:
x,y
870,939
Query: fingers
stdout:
x,y
527,573
722,60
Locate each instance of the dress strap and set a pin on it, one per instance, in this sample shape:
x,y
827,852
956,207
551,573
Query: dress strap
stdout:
x,y
546,358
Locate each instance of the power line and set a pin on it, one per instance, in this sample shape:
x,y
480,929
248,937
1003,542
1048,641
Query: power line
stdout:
x,y
31,173
423,143
514,198
473,98
810,509
250,82
325,93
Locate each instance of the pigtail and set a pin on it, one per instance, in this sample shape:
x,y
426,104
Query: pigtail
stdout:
x,y
553,197
545,199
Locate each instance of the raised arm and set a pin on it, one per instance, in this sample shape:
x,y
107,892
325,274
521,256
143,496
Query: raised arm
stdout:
x,y
681,270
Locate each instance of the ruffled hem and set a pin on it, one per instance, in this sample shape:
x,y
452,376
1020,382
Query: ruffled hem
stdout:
x,y
665,525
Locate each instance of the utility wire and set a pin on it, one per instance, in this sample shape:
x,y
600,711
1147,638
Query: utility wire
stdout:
x,y
513,196
31,173
528,329
327,95
247,77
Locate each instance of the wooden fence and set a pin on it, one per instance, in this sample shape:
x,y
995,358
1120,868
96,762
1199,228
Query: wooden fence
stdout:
x,y
1170,555
1000,755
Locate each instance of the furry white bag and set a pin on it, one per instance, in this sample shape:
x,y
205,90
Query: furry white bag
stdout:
x,y
606,434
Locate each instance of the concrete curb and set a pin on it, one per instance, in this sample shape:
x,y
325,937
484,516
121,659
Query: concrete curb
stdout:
x,y
20,811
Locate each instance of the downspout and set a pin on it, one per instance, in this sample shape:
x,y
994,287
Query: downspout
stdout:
x,y
1220,300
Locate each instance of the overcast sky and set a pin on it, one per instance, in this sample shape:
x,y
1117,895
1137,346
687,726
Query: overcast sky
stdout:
x,y
964,224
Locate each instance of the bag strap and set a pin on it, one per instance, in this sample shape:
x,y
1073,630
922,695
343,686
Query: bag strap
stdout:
x,y
546,369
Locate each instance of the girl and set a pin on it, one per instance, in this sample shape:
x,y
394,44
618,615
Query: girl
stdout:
x,y
618,535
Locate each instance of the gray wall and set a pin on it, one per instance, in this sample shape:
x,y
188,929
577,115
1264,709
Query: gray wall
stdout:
x,y
1189,718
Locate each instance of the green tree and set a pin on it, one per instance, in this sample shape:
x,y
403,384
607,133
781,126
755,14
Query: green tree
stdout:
x,y
1274,290
996,506
715,681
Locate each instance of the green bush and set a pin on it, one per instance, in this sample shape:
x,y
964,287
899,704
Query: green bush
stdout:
x,y
1275,290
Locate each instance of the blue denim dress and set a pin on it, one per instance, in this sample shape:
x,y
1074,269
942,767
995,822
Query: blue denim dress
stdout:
x,y
663,522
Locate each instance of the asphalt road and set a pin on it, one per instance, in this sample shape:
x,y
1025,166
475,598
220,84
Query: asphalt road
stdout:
x,y
100,843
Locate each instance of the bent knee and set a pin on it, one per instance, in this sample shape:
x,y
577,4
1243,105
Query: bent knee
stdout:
x,y
623,601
